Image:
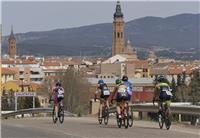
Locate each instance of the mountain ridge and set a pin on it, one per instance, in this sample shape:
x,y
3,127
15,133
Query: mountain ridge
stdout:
x,y
179,32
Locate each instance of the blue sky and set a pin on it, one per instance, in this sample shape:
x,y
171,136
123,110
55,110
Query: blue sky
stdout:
x,y
28,16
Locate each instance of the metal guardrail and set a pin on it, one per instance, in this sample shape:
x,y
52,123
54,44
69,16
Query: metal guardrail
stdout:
x,y
175,109
33,111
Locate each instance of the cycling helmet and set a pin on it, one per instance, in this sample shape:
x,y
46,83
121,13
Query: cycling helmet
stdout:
x,y
124,78
118,81
161,78
100,82
58,83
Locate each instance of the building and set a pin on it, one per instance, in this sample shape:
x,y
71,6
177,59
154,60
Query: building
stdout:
x,y
118,43
130,50
137,69
12,48
118,31
119,58
7,75
111,70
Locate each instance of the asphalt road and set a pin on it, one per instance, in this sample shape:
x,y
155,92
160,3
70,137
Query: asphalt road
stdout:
x,y
86,127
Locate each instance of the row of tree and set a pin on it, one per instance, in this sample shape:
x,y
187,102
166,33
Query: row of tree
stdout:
x,y
186,93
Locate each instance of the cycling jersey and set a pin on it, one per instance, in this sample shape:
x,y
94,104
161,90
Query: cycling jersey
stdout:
x,y
129,87
163,92
58,94
104,91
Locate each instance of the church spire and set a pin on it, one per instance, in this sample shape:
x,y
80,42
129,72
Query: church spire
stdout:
x,y
118,12
12,51
12,34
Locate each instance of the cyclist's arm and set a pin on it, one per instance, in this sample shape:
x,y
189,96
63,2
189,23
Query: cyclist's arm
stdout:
x,y
112,94
156,93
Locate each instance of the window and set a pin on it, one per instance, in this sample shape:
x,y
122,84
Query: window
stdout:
x,y
118,35
121,34
21,73
34,73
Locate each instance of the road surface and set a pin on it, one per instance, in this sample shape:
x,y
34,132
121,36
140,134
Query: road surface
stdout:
x,y
87,127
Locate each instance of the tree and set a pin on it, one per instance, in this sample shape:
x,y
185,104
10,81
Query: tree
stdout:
x,y
181,87
183,78
173,86
195,87
77,94
178,80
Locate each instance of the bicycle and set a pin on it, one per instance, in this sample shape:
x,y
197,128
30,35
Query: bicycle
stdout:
x,y
60,114
164,116
105,114
124,111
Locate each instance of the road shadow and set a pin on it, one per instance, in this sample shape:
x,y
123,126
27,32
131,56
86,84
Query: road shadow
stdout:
x,y
150,128
109,126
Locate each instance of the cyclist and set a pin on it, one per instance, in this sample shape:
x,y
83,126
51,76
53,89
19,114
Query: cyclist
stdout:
x,y
129,90
104,94
128,86
58,94
162,92
121,94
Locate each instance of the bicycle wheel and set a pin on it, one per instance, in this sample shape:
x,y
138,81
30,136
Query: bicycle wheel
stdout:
x,y
167,119
126,117
119,120
99,119
106,115
130,121
160,120
54,116
61,114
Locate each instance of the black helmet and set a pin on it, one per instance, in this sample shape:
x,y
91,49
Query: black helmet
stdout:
x,y
161,78
58,83
124,78
118,81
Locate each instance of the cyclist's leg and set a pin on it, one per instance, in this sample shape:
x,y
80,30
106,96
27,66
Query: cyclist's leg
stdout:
x,y
160,107
128,103
167,107
118,100
107,102
100,107
118,108
61,102
56,106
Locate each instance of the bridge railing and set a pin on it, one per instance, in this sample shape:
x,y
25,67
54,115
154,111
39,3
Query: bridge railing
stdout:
x,y
175,109
32,111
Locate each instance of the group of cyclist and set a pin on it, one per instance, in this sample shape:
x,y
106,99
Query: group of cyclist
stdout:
x,y
123,91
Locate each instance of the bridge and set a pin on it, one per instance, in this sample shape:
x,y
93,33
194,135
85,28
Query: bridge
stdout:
x,y
84,127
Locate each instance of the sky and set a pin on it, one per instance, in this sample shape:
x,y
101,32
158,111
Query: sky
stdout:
x,y
29,15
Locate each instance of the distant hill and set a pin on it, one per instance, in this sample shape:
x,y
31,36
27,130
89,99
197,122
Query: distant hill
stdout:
x,y
179,32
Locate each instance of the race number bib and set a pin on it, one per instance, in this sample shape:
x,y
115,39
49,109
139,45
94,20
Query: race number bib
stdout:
x,y
169,93
106,92
60,93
